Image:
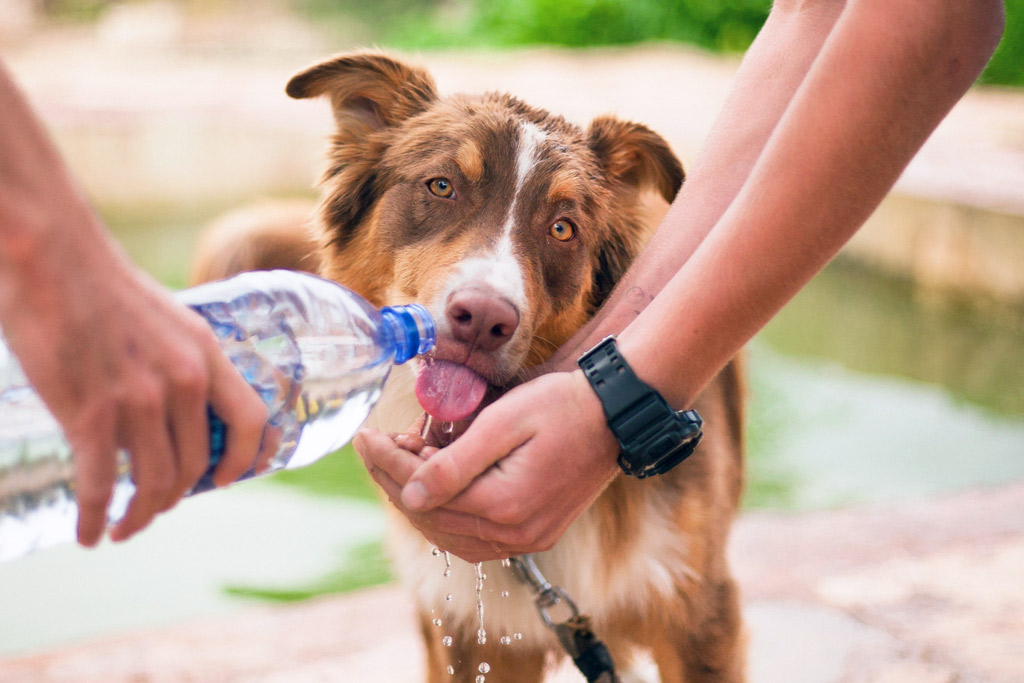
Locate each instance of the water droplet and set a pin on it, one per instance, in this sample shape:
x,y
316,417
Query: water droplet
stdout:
x,y
517,635
481,678
425,429
447,572
448,597
451,670
505,640
447,640
480,576
437,622
447,427
504,594
506,563
435,551
484,667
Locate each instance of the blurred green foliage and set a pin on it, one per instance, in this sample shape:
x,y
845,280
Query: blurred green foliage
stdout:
x,y
1007,65
719,25
727,25
360,567
339,474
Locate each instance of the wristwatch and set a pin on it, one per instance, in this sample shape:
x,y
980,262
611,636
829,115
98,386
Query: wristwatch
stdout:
x,y
652,437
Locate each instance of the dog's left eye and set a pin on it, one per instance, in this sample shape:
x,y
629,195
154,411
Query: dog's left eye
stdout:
x,y
441,187
562,230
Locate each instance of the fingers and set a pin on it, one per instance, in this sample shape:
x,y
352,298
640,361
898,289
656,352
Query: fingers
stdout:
x,y
465,535
245,416
95,473
144,433
390,461
268,447
453,469
190,432
384,454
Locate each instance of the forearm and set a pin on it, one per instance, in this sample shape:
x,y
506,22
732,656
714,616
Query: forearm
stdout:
x,y
46,225
887,75
769,75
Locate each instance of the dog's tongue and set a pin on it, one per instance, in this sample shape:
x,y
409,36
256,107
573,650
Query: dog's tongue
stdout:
x,y
448,391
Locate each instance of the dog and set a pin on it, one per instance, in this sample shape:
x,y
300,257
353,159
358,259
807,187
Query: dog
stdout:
x,y
512,225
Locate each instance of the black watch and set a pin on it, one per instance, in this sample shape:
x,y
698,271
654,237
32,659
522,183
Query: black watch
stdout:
x,y
652,437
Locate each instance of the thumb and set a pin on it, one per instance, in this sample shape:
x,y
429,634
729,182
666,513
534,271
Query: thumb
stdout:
x,y
452,469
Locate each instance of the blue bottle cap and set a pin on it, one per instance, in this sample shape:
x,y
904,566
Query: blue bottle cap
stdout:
x,y
413,329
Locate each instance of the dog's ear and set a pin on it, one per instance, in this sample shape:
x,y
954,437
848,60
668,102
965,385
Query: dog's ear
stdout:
x,y
635,156
635,160
367,89
370,94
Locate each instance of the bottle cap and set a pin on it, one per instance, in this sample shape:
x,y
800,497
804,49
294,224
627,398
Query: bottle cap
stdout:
x,y
413,329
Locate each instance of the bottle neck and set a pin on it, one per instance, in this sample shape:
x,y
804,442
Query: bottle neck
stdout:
x,y
412,329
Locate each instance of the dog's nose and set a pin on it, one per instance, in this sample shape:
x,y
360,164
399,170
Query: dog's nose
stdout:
x,y
481,319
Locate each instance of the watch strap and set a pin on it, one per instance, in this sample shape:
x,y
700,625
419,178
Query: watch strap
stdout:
x,y
653,437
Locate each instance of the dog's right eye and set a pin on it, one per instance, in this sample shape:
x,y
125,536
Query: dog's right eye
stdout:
x,y
441,187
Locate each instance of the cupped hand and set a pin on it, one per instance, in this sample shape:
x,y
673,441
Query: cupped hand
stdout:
x,y
522,472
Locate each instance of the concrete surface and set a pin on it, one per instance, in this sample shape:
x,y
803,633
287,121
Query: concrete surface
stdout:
x,y
928,591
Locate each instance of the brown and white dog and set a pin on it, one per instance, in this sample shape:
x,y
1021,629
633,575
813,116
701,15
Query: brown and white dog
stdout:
x,y
512,225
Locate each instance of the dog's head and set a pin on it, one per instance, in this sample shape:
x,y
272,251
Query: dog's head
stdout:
x,y
510,224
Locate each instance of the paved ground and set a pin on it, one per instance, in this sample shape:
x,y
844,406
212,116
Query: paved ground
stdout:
x,y
921,592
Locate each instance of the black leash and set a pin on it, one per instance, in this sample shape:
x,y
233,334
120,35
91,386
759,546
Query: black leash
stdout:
x,y
590,655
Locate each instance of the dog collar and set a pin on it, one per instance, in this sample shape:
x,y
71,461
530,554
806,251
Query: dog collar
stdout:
x,y
652,437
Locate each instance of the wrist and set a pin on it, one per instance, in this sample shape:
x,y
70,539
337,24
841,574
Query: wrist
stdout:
x,y
54,256
589,405
652,437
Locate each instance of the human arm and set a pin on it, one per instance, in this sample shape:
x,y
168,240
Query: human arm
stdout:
x,y
755,221
117,361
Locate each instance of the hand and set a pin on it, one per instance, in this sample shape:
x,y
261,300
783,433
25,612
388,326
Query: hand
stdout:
x,y
528,465
122,365
117,361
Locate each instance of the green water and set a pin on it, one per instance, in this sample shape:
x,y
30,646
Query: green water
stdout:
x,y
882,326
864,388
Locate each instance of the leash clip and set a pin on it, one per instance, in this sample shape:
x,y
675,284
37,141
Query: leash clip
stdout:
x,y
574,634
547,595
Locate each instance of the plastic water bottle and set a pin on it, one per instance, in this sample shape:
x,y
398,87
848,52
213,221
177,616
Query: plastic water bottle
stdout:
x,y
317,353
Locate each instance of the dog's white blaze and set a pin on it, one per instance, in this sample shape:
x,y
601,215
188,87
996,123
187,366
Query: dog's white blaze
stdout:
x,y
500,270
530,139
